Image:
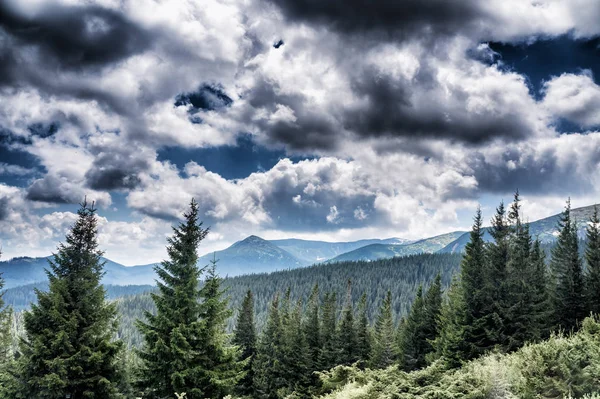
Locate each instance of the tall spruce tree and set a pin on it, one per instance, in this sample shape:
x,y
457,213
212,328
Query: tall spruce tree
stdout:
x,y
269,377
220,368
173,352
433,309
363,333
542,308
296,362
312,330
347,337
494,294
450,345
383,349
330,350
416,338
69,348
413,345
520,311
245,337
480,315
592,259
569,293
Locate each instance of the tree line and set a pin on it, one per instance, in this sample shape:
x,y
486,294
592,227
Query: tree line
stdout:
x,y
504,296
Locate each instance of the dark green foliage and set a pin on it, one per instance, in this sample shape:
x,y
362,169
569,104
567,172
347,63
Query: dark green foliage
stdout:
x,y
493,297
523,310
412,345
312,329
296,362
245,337
566,266
401,275
538,289
69,346
186,348
592,260
268,367
561,367
383,352
450,345
221,368
480,286
347,336
329,350
363,333
419,331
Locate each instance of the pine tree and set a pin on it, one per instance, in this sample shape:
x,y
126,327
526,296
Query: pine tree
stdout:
x,y
450,344
347,337
493,297
69,348
173,351
245,338
295,362
479,289
566,266
330,351
220,368
413,345
312,330
363,334
520,309
542,308
592,259
433,308
383,351
268,367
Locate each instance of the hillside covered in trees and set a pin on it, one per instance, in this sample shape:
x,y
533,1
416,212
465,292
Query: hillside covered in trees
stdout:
x,y
500,321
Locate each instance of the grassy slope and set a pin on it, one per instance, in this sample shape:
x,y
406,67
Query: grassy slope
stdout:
x,y
560,367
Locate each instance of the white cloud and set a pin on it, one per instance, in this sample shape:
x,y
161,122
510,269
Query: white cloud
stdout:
x,y
574,97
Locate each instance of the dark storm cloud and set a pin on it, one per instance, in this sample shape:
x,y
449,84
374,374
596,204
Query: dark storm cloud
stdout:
x,y
74,36
311,129
208,97
117,168
111,179
387,110
541,173
51,189
394,18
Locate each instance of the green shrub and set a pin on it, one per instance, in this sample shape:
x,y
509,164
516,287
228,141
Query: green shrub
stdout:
x,y
561,367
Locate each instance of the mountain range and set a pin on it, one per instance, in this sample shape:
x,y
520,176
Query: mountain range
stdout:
x,y
254,255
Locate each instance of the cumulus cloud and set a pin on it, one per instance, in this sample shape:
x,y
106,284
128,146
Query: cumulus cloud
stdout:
x,y
574,97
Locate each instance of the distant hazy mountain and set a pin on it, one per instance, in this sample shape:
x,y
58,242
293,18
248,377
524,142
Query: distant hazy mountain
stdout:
x,y
311,252
25,270
380,251
252,255
544,229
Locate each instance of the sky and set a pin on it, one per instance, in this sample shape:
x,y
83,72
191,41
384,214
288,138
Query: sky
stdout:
x,y
336,120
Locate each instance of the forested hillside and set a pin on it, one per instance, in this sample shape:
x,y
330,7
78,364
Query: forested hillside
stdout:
x,y
402,276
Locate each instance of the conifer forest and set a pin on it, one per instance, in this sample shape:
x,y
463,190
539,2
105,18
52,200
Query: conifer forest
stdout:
x,y
508,317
